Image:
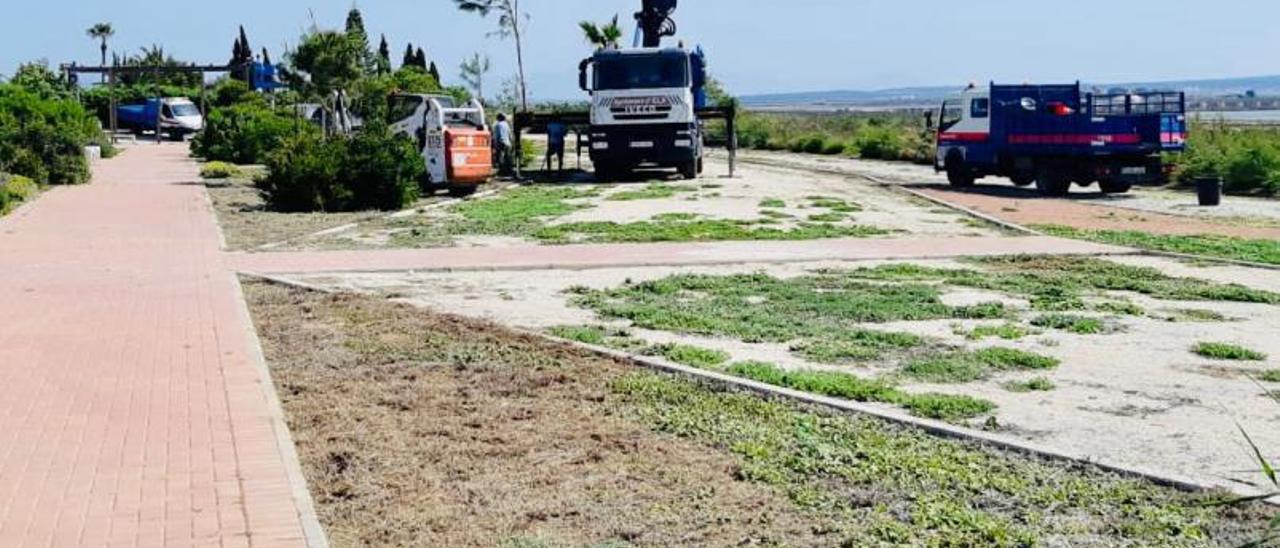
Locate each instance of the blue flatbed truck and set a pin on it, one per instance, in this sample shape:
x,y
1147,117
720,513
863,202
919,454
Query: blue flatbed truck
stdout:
x,y
1054,136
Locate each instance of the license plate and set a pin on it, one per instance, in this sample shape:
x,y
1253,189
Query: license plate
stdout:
x,y
641,144
1133,171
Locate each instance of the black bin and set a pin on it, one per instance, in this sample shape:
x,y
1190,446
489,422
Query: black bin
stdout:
x,y
1210,191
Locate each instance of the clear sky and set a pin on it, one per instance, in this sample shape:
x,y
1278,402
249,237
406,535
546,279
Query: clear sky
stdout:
x,y
755,46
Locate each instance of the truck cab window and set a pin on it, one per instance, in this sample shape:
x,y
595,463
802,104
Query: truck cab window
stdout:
x,y
642,72
951,115
980,108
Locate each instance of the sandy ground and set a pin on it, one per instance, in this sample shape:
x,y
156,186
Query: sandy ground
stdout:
x,y
1236,211
1137,397
716,196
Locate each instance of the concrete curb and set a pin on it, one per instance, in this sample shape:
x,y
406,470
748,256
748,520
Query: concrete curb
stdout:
x,y
312,530
933,427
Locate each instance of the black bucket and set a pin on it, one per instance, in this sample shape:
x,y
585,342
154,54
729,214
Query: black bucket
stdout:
x,y
1210,191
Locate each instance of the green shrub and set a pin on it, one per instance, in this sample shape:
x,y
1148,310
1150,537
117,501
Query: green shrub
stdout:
x,y
1248,160
15,189
43,137
246,133
373,169
219,170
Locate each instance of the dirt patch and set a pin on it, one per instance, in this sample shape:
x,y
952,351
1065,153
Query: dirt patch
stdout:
x,y
247,224
418,429
423,430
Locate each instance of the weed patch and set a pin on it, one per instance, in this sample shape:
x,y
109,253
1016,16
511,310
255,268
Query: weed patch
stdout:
x,y
1008,331
858,345
598,335
1038,384
772,203
1228,352
1080,325
651,191
762,308
1272,375
836,205
963,366
701,230
1220,247
692,356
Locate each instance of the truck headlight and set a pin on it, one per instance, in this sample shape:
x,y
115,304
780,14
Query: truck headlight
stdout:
x,y
684,143
600,145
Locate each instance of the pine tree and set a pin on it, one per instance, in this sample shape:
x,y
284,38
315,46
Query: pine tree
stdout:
x,y
266,57
246,52
434,72
358,36
384,56
420,60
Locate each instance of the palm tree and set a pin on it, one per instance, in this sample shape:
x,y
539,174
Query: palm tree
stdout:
x,y
102,32
602,36
510,23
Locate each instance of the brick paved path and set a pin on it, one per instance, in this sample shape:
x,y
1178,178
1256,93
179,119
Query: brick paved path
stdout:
x,y
133,407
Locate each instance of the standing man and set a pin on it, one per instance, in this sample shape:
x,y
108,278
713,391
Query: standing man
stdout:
x,y
502,145
556,133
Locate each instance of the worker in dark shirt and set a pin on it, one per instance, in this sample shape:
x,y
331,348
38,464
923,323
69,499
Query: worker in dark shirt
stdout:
x,y
556,133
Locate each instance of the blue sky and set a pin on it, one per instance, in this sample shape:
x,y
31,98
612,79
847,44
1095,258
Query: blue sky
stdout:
x,y
755,46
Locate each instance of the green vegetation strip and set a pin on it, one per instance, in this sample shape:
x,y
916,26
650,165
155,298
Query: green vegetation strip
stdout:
x,y
1218,247
651,191
904,487
1228,352
964,366
525,213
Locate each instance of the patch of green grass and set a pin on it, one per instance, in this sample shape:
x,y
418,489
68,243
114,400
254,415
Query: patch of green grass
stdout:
x,y
1228,352
516,212
834,204
1080,325
1119,308
692,356
772,203
853,388
832,217
701,230
775,214
1008,331
762,308
1272,375
1220,247
903,486
963,366
1194,315
1057,283
858,345
674,217
598,335
651,191
1038,384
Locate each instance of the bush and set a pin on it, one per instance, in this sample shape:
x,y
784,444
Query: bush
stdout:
x,y
884,136
219,170
372,170
15,189
246,133
1248,160
43,137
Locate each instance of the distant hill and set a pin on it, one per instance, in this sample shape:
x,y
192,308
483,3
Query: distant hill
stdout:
x,y
1261,85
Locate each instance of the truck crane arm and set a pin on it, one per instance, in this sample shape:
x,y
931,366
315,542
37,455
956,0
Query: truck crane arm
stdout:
x,y
654,21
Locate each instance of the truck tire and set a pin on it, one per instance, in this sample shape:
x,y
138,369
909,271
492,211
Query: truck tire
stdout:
x,y
700,166
462,191
1023,179
1114,187
606,173
1052,183
689,170
959,174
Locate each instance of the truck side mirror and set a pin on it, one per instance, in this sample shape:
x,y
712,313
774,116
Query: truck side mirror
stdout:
x,y
582,74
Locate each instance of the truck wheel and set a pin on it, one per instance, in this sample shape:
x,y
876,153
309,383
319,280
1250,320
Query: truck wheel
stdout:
x,y
1114,187
1052,183
606,173
462,191
689,170
958,174
1023,179
700,166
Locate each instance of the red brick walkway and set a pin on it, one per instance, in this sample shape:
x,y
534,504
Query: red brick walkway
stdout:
x,y
134,409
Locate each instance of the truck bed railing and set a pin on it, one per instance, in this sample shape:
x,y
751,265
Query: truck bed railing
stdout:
x,y
1129,104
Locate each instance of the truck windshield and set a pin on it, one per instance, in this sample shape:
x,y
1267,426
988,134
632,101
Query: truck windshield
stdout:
x,y
185,109
402,107
642,72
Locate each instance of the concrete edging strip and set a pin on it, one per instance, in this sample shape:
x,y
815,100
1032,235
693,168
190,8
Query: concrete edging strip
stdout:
x,y
312,530
937,428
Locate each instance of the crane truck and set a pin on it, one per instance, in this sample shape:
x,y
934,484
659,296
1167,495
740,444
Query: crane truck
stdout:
x,y
455,141
644,100
1056,135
